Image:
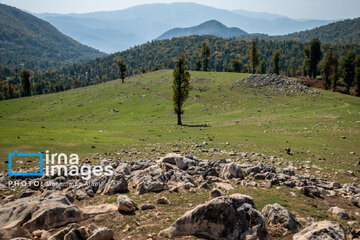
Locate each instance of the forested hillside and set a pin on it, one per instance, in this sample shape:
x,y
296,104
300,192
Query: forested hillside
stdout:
x,y
162,54
211,27
347,31
29,42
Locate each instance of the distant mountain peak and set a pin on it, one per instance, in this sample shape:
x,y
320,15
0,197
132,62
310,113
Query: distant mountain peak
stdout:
x,y
211,27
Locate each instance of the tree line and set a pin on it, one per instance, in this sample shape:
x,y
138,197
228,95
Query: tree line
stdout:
x,y
207,53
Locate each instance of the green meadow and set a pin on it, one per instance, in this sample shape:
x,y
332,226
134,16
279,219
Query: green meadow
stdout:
x,y
138,116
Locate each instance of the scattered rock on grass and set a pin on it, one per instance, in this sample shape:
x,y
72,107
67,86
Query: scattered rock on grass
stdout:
x,y
125,204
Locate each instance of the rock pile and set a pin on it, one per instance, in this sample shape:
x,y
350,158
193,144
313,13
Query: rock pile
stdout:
x,y
276,82
223,217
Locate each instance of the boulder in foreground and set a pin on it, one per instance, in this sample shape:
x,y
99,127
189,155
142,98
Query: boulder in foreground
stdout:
x,y
47,211
276,215
226,217
321,231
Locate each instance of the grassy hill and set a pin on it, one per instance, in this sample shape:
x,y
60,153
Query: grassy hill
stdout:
x,y
29,42
211,27
347,31
138,117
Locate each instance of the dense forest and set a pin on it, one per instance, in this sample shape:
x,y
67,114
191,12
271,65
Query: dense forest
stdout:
x,y
162,54
29,42
347,31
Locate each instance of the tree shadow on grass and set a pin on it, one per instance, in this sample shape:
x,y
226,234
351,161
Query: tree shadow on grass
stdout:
x,y
196,125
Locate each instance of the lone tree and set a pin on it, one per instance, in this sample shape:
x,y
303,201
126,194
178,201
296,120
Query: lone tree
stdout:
x,y
25,83
314,54
180,87
205,54
276,59
122,69
254,57
329,69
348,66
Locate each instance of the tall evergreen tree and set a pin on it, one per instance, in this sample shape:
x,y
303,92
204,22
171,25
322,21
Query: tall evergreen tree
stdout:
x,y
122,69
329,68
335,73
181,85
25,83
205,54
276,59
348,67
306,62
357,76
10,90
254,57
262,67
315,57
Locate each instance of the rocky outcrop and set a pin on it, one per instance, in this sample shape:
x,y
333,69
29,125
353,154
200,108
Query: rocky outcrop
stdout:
x,y
117,185
14,233
47,211
227,217
278,83
76,232
151,179
231,170
321,231
276,215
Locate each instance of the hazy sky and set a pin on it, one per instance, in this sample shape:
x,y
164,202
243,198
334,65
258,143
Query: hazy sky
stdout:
x,y
315,9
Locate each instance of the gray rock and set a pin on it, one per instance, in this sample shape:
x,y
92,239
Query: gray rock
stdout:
x,y
125,204
172,158
276,215
151,179
27,193
118,185
15,232
42,212
102,234
147,206
231,170
216,193
227,217
324,230
163,200
339,213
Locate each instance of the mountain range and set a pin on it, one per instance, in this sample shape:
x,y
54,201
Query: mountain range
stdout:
x,y
112,31
30,42
211,27
347,31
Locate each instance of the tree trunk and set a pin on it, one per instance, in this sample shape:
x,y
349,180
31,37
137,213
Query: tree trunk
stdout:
x,y
179,119
122,80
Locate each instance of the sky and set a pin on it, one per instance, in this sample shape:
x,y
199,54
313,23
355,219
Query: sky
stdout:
x,y
309,9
